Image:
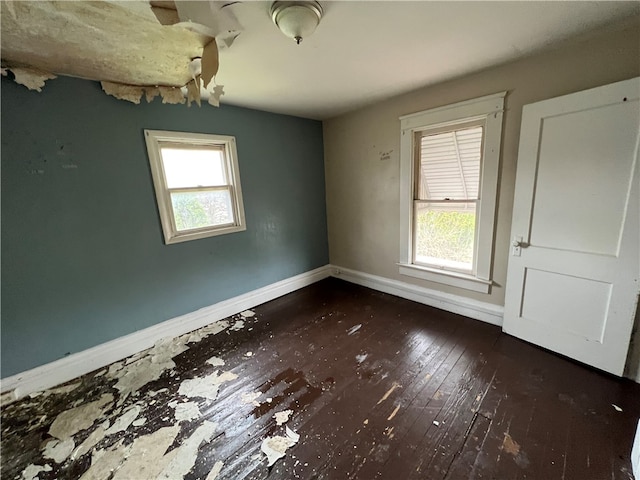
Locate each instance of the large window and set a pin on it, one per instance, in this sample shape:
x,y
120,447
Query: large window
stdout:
x,y
197,184
449,172
445,197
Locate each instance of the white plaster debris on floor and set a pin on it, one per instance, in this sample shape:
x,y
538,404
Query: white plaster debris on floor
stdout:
x,y
146,456
91,441
185,412
239,325
205,387
275,447
213,329
282,417
58,450
148,367
251,398
63,389
139,422
215,471
32,471
123,422
215,361
184,460
361,358
72,421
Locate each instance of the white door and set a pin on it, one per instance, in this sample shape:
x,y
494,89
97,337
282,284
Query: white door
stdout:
x,y
572,281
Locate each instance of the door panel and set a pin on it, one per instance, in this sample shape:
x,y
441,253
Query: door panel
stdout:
x,y
554,299
572,282
579,152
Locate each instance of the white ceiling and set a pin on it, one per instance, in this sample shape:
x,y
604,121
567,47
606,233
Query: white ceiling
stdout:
x,y
362,51
366,51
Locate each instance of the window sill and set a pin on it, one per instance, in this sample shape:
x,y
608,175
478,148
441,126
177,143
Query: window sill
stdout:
x,y
460,280
204,233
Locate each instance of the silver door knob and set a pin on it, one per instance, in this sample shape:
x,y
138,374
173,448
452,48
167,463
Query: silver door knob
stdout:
x,y
518,242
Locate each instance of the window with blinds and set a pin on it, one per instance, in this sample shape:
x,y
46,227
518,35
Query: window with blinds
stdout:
x,y
197,184
446,195
449,167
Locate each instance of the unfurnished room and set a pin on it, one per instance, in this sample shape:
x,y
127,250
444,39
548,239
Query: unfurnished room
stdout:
x,y
320,240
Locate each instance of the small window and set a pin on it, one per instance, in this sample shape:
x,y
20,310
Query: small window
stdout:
x,y
197,184
449,174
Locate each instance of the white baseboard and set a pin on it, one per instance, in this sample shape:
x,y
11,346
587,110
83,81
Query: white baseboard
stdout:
x,y
487,312
77,364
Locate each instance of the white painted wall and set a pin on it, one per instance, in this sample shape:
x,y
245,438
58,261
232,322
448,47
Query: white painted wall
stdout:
x,y
362,149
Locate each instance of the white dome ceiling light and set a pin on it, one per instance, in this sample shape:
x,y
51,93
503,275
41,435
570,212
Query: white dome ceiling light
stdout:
x,y
297,20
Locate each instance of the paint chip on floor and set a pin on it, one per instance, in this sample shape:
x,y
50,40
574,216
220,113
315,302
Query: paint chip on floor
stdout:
x,y
58,450
362,357
71,421
275,447
205,387
248,354
215,471
124,421
250,398
147,456
247,314
393,414
91,441
32,471
354,329
185,412
139,422
62,390
616,407
186,455
509,445
215,361
239,325
394,385
282,417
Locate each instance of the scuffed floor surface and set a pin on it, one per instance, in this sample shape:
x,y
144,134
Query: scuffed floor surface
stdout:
x,y
333,381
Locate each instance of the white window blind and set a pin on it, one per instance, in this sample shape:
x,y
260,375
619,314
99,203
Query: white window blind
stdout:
x,y
450,165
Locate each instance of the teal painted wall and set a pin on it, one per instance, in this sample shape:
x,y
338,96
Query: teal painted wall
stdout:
x,y
83,257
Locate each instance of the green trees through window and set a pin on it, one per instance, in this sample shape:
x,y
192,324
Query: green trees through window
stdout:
x,y
447,235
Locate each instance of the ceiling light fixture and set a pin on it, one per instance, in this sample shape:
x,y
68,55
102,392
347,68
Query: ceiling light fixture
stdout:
x,y
296,20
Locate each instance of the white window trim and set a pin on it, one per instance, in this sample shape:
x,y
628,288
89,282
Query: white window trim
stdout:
x,y
153,140
490,108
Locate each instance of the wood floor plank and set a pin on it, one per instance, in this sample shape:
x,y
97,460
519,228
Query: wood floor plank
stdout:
x,y
365,375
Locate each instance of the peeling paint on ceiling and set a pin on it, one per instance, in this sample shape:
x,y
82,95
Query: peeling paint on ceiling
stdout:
x,y
121,42
134,48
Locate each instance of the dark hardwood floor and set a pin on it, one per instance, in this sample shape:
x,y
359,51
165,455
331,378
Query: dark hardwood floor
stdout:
x,y
378,387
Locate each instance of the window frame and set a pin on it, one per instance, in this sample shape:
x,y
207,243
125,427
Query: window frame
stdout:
x,y
155,140
489,109
417,160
